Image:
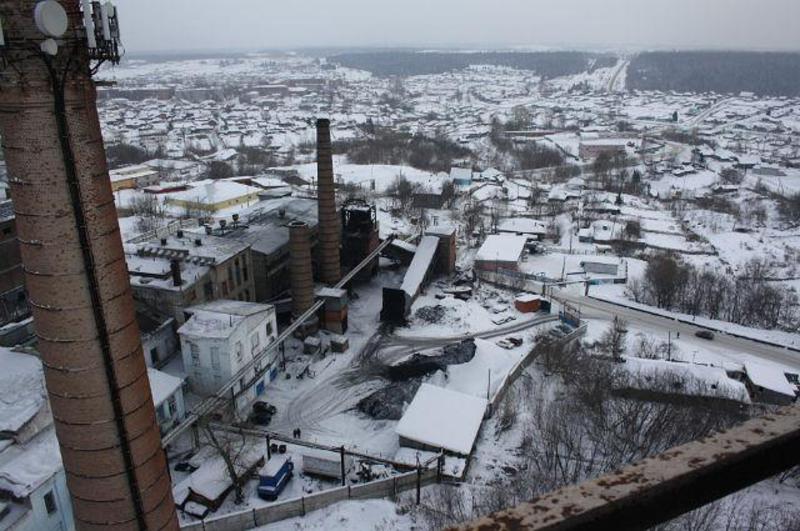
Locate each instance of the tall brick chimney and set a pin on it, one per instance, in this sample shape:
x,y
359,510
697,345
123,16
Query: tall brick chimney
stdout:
x,y
329,222
76,275
301,275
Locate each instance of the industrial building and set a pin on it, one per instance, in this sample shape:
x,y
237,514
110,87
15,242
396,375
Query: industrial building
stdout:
x,y
186,269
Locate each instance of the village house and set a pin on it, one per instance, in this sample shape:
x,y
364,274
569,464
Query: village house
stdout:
x,y
220,338
132,177
501,251
532,229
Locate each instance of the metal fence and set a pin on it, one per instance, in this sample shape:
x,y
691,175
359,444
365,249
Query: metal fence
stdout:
x,y
296,507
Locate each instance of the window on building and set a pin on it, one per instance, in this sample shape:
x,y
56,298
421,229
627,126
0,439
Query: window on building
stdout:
x,y
241,383
244,272
195,350
50,502
255,341
238,274
269,328
225,288
154,355
208,290
230,277
239,351
215,357
258,365
217,380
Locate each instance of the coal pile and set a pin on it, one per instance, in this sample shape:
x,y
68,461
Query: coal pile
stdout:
x,y
387,403
431,314
419,365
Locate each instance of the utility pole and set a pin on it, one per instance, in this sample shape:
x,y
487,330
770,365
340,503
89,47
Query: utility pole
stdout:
x,y
89,340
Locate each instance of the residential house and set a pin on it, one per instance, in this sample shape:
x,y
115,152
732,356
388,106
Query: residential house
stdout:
x,y
501,251
167,391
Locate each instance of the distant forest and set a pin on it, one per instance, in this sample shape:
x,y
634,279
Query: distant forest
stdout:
x,y
765,74
404,63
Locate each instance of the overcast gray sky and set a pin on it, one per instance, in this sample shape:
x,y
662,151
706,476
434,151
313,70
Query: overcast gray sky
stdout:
x,y
163,25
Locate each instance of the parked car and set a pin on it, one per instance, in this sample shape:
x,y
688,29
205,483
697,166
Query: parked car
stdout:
x,y
260,418
506,344
705,334
516,341
265,407
503,319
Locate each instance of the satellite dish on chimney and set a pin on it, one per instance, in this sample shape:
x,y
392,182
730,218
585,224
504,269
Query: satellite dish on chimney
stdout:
x,y
51,18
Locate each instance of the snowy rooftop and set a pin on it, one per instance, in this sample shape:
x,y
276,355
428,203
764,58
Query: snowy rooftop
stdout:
x,y
419,266
23,467
443,419
215,192
22,391
219,319
522,226
769,377
162,385
502,248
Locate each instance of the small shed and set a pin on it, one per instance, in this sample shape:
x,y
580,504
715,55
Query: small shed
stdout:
x,y
440,419
768,384
528,303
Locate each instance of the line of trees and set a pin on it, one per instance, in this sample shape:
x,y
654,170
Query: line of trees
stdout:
x,y
747,298
381,145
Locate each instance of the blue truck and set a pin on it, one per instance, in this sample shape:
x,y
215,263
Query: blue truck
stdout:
x,y
273,477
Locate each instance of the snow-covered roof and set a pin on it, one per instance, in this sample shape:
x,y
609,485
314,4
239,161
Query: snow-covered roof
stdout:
x,y
22,392
502,248
162,385
419,266
214,193
769,377
522,226
25,466
461,174
219,319
443,419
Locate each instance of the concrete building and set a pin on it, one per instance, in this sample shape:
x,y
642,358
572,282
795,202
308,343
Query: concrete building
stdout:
x,y
167,398
214,196
220,338
13,298
159,336
187,269
132,177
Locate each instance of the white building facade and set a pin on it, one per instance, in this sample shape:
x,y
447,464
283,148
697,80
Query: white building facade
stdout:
x,y
220,338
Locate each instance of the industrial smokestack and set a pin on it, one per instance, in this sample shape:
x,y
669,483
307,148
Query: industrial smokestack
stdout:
x,y
76,276
302,274
329,223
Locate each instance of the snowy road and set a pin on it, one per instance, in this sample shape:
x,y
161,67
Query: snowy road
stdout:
x,y
729,346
